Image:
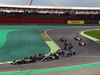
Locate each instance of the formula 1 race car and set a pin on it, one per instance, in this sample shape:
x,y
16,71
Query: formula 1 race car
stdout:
x,y
23,61
51,57
62,39
17,62
68,47
28,60
67,43
70,53
77,38
81,43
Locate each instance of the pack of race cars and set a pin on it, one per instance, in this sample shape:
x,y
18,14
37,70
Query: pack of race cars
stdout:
x,y
31,59
81,43
67,51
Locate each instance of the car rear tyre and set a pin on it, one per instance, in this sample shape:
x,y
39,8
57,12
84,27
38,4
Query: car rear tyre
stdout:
x,y
69,55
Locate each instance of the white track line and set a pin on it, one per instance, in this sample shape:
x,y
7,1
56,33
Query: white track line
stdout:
x,y
50,38
89,37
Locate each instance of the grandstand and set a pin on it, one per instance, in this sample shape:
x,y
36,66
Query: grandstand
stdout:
x,y
12,14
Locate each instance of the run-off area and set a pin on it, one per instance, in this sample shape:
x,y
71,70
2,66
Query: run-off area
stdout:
x,y
17,44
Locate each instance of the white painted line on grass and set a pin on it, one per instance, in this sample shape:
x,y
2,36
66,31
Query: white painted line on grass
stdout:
x,y
90,37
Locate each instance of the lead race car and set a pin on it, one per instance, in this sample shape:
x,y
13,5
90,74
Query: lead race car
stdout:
x,y
77,38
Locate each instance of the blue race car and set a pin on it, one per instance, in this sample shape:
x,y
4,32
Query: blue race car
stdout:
x,y
70,53
51,57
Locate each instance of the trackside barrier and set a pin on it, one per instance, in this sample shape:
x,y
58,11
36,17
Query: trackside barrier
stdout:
x,y
91,21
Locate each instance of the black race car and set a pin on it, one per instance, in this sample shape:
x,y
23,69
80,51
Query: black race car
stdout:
x,y
82,43
67,43
77,38
23,61
28,60
68,47
17,62
62,39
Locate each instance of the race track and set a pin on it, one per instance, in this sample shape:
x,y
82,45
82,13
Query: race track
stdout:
x,y
84,55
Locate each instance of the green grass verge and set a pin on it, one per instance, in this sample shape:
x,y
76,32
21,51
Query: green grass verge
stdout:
x,y
50,43
98,41
93,33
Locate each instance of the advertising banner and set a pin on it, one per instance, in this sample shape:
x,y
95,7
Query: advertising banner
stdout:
x,y
99,22
75,22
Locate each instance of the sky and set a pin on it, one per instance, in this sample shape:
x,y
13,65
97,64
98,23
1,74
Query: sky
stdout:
x,y
60,3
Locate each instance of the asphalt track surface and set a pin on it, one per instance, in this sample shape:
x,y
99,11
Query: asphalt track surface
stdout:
x,y
84,55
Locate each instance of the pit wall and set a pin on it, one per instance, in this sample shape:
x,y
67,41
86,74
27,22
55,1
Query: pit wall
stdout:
x,y
12,20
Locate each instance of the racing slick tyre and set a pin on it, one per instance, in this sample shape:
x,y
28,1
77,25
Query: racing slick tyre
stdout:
x,y
80,39
13,63
47,59
80,44
64,48
68,55
57,57
74,38
33,60
61,40
74,53
84,44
